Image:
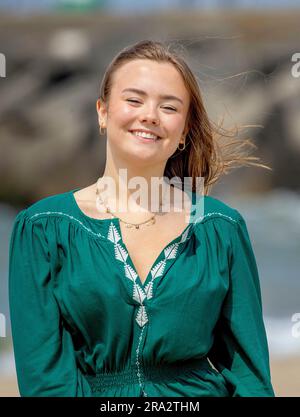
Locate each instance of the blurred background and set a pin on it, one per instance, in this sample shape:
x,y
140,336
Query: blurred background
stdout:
x,y
53,55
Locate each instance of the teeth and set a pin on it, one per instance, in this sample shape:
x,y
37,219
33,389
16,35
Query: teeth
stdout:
x,y
145,135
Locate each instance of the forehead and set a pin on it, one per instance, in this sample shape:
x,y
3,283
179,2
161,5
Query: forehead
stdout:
x,y
153,77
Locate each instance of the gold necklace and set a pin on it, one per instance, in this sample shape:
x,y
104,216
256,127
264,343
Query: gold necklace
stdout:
x,y
127,224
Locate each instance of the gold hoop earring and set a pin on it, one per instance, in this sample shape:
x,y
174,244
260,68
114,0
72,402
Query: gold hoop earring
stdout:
x,y
100,130
181,149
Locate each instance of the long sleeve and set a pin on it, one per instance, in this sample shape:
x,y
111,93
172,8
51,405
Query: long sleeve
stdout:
x,y
240,350
43,348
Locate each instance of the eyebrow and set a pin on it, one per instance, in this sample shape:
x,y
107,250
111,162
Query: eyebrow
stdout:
x,y
143,93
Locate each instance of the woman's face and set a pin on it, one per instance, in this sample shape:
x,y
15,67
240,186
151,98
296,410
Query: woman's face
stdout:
x,y
150,96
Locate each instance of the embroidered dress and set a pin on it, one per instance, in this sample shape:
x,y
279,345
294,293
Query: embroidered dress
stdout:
x,y
84,325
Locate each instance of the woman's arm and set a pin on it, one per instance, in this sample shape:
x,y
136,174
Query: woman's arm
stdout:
x,y
240,349
43,348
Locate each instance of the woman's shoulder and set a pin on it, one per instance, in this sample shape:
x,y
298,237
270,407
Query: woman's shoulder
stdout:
x,y
209,208
55,213
53,205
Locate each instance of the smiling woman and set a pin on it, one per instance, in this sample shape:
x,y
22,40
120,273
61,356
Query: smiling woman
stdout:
x,y
111,303
149,101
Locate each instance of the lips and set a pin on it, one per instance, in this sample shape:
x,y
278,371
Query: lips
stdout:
x,y
143,139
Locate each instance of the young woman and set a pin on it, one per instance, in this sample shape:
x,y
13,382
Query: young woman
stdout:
x,y
140,302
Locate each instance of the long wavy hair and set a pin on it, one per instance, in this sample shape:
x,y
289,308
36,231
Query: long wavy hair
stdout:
x,y
210,150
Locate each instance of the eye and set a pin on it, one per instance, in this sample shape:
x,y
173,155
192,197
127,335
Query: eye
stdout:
x,y
169,108
133,101
138,102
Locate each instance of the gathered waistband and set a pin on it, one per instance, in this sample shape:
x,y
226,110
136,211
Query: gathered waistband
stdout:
x,y
156,373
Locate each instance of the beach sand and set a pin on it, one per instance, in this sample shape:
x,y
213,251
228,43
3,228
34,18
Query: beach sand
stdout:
x,y
285,378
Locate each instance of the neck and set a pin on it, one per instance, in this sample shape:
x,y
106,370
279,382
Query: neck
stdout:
x,y
136,187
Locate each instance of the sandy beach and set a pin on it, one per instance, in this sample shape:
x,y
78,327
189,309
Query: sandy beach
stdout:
x,y
285,379
286,376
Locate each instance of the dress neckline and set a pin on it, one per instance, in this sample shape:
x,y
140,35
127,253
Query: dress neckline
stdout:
x,y
115,219
113,233
78,209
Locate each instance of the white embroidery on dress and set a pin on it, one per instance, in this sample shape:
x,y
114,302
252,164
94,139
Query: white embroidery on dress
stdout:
x,y
220,214
171,251
70,217
113,234
185,234
158,269
120,253
139,294
139,370
142,317
149,289
129,271
59,213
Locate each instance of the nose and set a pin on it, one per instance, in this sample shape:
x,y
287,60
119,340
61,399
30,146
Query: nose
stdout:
x,y
150,117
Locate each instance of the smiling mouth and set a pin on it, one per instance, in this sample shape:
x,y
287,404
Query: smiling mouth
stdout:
x,y
145,139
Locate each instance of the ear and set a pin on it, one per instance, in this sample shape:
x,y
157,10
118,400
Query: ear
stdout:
x,y
186,131
102,112
187,125
183,137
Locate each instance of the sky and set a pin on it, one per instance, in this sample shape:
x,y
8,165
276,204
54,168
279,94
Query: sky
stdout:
x,y
145,5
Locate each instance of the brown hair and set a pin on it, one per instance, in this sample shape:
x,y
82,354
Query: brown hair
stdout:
x,y
204,155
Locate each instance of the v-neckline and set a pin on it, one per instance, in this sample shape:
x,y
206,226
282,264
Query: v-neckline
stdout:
x,y
106,223
148,278
187,231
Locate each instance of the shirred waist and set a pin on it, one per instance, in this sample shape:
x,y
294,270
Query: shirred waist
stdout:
x,y
156,373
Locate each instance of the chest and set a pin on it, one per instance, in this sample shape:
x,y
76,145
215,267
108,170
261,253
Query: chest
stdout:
x,y
144,245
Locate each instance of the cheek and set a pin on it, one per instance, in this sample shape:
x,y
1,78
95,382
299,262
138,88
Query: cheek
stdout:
x,y
174,125
122,115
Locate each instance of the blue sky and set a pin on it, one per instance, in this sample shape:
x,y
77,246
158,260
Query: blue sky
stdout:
x,y
138,5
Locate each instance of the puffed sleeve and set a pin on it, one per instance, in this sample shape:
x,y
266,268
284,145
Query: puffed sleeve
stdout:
x,y
43,348
240,350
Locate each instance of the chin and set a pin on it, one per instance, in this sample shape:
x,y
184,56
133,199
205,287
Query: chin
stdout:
x,y
139,155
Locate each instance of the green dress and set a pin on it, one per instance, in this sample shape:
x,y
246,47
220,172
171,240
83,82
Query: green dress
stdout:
x,y
84,325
